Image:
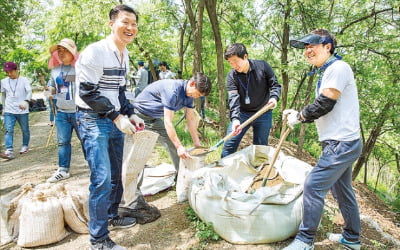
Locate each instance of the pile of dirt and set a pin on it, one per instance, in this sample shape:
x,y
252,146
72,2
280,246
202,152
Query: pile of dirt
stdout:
x,y
173,230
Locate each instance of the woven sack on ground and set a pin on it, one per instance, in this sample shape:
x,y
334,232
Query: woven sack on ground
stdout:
x,y
9,213
186,169
73,213
41,221
270,214
137,150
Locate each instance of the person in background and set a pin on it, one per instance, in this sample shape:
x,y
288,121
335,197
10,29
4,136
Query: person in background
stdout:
x,y
104,115
62,85
251,85
336,114
16,92
142,76
165,73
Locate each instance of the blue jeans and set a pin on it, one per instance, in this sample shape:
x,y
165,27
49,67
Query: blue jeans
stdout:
x,y
333,171
261,127
65,123
9,123
103,143
52,102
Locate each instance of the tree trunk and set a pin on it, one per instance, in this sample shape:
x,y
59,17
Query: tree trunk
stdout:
x,y
302,134
211,6
373,136
196,23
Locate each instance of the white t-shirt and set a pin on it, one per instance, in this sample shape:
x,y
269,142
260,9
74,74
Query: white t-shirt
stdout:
x,y
342,123
16,91
166,75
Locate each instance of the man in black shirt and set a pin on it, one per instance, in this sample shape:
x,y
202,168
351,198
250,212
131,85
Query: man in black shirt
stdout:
x,y
251,85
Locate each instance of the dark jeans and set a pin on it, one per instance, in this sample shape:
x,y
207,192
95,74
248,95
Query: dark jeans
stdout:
x,y
103,143
261,127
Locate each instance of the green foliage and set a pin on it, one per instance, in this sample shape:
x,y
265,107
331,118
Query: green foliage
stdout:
x,y
204,231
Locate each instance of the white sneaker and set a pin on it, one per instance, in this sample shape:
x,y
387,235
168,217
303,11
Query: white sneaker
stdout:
x,y
58,176
356,245
8,154
299,245
24,150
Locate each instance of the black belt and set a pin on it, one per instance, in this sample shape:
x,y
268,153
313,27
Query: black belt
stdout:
x,y
85,110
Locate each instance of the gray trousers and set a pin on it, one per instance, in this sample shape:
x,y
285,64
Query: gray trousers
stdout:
x,y
332,172
157,125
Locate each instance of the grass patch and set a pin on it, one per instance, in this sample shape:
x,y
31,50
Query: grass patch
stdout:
x,y
204,231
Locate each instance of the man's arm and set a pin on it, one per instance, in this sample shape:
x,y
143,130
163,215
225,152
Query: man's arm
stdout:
x,y
169,126
192,126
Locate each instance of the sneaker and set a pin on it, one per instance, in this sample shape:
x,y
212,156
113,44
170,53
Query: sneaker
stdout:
x,y
106,244
8,154
58,176
356,245
121,222
299,245
24,150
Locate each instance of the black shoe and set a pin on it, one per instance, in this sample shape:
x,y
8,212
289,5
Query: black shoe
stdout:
x,y
142,211
122,222
106,244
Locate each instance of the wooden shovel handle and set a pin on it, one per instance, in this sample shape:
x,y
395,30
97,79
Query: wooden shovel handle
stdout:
x,y
275,155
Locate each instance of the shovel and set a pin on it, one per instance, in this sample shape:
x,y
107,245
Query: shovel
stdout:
x,y
243,125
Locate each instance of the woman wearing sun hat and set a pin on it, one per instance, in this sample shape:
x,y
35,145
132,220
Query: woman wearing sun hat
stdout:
x,y
62,85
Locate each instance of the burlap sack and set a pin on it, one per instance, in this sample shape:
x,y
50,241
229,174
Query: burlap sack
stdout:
x,y
137,150
74,217
41,221
9,213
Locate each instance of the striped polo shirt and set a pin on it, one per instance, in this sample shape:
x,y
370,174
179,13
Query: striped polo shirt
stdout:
x,y
100,63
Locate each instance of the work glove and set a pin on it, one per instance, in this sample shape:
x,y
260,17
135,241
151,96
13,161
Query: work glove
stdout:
x,y
124,124
47,93
24,105
292,117
272,101
137,122
235,127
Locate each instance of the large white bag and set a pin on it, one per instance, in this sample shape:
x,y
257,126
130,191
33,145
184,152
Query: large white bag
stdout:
x,y
218,195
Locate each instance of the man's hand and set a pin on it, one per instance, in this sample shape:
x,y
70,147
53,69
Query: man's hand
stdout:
x,y
124,124
24,105
273,102
137,122
235,127
292,117
183,153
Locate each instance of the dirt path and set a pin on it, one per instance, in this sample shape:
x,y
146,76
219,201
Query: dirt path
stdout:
x,y
172,230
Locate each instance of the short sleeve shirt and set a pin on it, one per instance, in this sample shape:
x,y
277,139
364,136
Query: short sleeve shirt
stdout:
x,y
16,91
168,93
343,122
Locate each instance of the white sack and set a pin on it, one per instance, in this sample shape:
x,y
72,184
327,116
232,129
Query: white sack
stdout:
x,y
157,178
41,221
137,150
186,169
270,214
9,213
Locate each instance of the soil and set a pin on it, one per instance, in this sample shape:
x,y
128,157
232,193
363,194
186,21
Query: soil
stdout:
x,y
173,230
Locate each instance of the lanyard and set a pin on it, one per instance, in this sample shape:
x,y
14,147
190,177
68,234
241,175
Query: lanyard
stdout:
x,y
120,65
16,85
320,71
246,88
